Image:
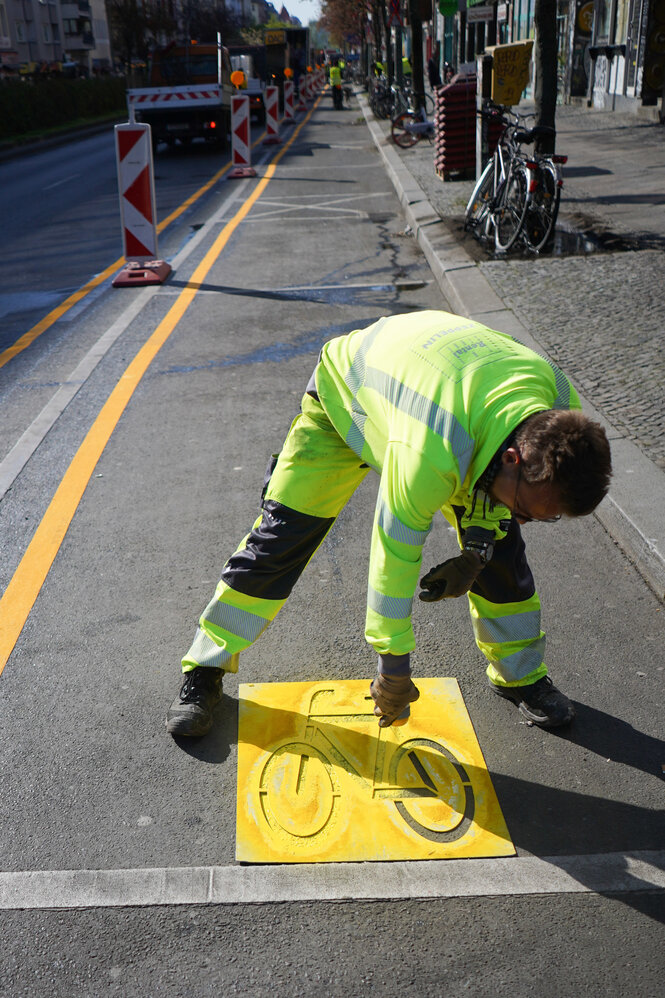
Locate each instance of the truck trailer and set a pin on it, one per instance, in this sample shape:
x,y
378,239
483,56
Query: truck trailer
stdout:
x,y
189,96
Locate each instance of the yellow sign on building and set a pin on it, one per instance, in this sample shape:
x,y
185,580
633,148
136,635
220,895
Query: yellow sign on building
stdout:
x,y
320,781
510,71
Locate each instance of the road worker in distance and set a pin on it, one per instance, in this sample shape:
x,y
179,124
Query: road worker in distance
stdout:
x,y
336,85
455,418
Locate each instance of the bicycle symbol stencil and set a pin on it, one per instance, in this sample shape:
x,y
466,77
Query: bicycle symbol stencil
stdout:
x,y
319,781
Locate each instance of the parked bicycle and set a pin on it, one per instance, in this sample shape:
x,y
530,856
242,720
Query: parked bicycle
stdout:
x,y
380,97
405,99
410,127
517,196
543,207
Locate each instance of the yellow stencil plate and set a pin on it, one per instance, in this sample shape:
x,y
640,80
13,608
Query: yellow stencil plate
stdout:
x,y
319,781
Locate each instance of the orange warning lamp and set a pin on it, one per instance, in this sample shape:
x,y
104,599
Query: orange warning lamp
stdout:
x,y
288,72
237,78
309,69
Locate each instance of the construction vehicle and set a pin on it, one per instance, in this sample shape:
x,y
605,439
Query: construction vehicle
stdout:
x,y
189,97
250,59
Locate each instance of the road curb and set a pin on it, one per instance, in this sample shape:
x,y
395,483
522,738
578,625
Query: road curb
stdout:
x,y
632,512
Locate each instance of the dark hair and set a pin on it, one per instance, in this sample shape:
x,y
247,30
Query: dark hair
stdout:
x,y
569,450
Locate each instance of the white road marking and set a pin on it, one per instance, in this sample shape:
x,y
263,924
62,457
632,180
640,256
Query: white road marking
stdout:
x,y
59,183
603,873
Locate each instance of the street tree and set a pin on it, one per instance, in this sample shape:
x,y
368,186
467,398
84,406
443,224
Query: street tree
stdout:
x,y
128,25
343,19
545,92
417,76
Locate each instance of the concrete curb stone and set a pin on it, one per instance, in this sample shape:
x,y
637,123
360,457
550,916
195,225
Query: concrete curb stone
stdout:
x,y
632,513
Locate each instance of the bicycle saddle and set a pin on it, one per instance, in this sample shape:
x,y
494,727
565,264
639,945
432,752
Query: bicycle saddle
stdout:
x,y
527,137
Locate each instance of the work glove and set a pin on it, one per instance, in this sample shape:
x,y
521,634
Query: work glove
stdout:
x,y
455,576
452,578
393,691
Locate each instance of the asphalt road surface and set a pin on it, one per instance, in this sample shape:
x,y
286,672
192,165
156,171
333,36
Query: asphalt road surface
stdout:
x,y
135,435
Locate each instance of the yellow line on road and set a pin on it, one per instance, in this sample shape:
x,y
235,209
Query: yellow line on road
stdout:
x,y
32,334
31,573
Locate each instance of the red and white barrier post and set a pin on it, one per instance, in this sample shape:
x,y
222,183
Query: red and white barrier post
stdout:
x,y
240,138
138,216
289,113
302,93
271,101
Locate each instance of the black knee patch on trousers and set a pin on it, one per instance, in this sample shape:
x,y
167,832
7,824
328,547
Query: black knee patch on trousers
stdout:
x,y
507,578
276,552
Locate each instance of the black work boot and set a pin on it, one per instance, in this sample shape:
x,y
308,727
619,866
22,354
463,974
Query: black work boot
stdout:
x,y
540,702
191,711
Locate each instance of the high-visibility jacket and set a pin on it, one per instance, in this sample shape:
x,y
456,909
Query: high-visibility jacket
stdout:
x,y
335,76
426,400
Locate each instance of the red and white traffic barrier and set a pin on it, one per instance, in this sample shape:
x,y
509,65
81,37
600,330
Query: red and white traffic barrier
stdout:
x,y
240,138
271,102
289,112
138,215
302,93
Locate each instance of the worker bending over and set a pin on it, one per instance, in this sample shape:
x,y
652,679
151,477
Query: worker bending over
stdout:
x,y
453,417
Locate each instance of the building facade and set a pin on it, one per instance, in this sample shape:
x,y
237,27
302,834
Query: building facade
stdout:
x,y
52,35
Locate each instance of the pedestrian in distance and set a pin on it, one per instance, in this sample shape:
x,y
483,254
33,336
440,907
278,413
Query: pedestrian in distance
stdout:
x,y
455,418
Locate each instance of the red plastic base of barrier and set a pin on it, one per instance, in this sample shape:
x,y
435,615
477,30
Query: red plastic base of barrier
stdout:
x,y
138,274
239,172
272,140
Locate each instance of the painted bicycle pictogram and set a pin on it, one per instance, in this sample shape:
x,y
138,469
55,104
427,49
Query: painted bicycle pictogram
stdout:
x,y
304,781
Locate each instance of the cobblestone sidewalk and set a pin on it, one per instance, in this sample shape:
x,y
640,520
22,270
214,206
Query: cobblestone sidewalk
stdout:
x,y
600,315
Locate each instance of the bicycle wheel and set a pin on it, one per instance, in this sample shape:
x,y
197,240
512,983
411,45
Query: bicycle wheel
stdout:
x,y
400,132
543,208
442,808
511,209
477,215
298,790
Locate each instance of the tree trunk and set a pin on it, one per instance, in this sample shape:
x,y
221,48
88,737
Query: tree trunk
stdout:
x,y
417,77
390,62
546,71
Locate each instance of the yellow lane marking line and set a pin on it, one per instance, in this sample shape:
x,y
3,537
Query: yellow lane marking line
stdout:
x,y
49,320
320,782
30,575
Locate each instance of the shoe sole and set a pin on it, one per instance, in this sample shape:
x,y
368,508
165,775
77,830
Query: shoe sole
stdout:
x,y
187,727
541,722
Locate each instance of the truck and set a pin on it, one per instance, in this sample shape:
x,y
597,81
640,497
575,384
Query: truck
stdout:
x,y
251,60
286,47
189,96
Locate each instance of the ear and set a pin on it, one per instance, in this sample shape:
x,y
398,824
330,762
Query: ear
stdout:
x,y
511,457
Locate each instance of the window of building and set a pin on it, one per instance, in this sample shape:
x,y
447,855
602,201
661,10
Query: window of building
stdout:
x,y
20,31
603,15
621,24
